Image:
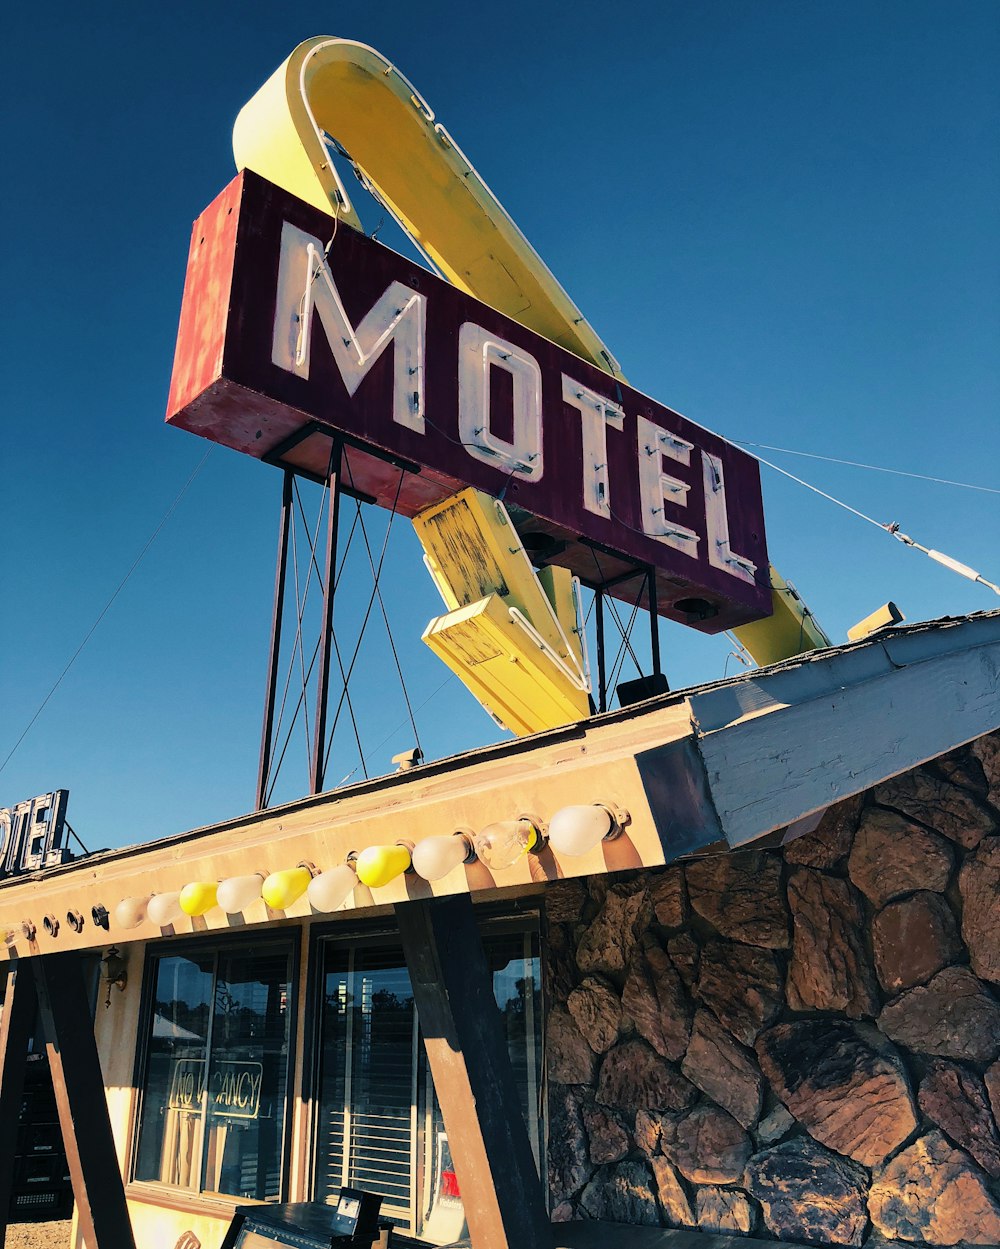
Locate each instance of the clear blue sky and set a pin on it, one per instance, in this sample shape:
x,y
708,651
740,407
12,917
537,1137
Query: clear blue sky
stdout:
x,y
781,216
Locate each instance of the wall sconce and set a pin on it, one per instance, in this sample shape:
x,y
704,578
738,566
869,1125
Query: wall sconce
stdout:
x,y
130,912
164,908
281,889
435,857
329,890
378,865
503,844
236,893
198,897
115,972
577,830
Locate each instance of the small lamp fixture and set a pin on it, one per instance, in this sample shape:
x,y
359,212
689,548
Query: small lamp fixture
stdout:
x,y
578,829
378,865
198,897
99,914
164,908
435,857
236,893
281,889
51,925
115,973
329,890
505,843
130,912
75,920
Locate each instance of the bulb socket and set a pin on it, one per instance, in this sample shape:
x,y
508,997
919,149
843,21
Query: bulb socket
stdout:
x,y
75,920
99,916
51,925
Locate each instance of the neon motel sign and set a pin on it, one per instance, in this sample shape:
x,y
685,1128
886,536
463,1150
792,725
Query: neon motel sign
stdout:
x,y
287,337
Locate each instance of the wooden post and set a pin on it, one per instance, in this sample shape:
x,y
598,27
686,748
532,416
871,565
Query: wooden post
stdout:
x,y
15,1031
467,1050
64,1010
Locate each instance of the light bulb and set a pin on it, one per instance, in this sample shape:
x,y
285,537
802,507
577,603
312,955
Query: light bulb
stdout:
x,y
435,857
281,889
164,908
503,844
198,897
329,889
577,830
238,892
130,912
378,865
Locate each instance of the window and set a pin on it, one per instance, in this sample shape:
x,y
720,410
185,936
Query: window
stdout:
x,y
216,1070
378,1123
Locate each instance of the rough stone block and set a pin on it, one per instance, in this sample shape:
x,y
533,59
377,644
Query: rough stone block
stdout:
x,y
706,1145
912,939
955,1098
809,1194
723,1069
979,883
657,1002
934,1194
842,1088
740,895
634,1077
892,856
597,1009
830,968
952,1016
937,804
742,985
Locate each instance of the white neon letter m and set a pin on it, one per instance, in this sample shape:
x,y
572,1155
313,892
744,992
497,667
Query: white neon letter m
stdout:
x,y
399,317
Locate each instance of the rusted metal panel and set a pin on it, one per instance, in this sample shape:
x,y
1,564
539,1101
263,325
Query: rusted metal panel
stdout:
x,y
228,386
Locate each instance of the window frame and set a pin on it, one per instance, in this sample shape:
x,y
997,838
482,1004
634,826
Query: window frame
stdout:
x,y
201,1198
525,918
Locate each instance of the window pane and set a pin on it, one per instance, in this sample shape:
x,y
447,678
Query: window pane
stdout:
x,y
368,1075
373,1077
247,1075
169,1130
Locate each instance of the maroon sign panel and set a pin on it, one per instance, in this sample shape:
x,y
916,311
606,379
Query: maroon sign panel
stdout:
x,y
293,333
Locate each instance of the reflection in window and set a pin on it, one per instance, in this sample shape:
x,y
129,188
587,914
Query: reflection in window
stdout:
x,y
379,1125
214,1090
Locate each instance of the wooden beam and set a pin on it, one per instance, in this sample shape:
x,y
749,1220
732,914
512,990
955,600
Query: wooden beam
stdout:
x,y
467,1050
16,1026
65,1013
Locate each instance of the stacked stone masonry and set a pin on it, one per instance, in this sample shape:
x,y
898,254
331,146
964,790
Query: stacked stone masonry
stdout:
x,y
799,1043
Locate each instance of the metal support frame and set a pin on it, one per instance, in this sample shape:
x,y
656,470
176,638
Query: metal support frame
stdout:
x,y
602,676
333,485
467,1050
281,569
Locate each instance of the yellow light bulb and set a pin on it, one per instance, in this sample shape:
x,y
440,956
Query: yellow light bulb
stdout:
x,y
199,897
378,865
281,889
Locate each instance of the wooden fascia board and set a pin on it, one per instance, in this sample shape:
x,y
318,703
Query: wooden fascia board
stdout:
x,y
830,729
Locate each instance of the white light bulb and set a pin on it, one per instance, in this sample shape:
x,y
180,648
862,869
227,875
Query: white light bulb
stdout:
x,y
164,908
501,845
130,912
329,890
435,857
577,830
239,892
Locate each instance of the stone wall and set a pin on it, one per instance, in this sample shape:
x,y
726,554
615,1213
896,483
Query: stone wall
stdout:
x,y
799,1043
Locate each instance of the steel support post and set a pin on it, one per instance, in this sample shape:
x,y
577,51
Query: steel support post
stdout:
x,y
16,1026
277,614
65,1014
326,637
602,688
654,620
467,1050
